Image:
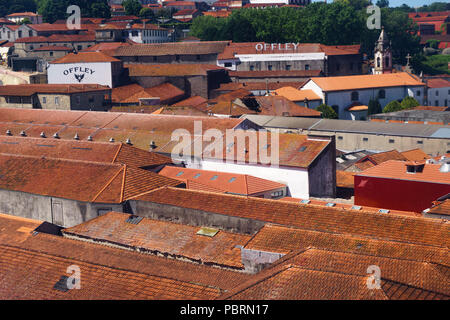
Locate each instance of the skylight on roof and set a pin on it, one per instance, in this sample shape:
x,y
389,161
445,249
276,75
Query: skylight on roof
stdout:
x,y
179,173
232,179
356,207
302,149
305,201
214,177
209,232
383,211
197,175
330,204
133,219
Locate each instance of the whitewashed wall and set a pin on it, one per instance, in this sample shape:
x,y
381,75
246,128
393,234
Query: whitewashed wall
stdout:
x,y
59,73
296,178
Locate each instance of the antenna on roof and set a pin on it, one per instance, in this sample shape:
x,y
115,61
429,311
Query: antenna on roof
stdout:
x,y
56,136
128,141
43,134
89,138
111,139
23,134
8,132
76,137
152,144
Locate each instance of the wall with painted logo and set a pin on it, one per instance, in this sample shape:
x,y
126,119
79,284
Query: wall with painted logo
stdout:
x,y
81,73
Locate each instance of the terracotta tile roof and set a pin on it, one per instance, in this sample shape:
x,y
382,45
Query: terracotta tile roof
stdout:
x,y
105,152
167,92
23,14
442,208
85,57
438,83
344,179
159,237
349,206
170,70
295,94
358,107
190,102
242,184
275,74
290,282
232,95
416,230
101,126
281,106
294,150
331,266
181,111
179,3
341,50
397,170
341,83
147,26
184,12
106,47
431,108
229,108
49,27
43,271
77,180
30,89
421,275
131,93
415,155
135,109
15,230
217,14
180,48
378,158
285,240
35,39
53,48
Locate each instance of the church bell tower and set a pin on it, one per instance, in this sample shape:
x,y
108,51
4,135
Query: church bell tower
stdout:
x,y
382,54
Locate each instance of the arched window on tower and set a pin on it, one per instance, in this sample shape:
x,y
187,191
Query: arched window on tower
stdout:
x,y
378,62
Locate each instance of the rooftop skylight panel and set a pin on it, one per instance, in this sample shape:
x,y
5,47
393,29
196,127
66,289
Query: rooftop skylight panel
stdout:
x,y
330,204
305,201
302,149
214,177
383,211
356,207
232,179
197,175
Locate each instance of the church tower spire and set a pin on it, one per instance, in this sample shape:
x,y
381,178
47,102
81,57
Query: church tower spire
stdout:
x,y
383,54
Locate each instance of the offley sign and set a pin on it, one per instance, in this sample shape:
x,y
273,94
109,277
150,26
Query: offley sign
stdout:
x,y
276,46
78,72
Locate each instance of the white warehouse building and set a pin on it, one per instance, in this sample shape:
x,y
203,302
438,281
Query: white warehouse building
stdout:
x,y
349,96
85,67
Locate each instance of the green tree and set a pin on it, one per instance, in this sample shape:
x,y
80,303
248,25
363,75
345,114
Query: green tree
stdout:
x,y
374,107
147,13
392,107
52,10
25,21
383,3
409,103
132,7
327,112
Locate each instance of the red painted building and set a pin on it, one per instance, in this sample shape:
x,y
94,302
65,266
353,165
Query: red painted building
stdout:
x,y
400,185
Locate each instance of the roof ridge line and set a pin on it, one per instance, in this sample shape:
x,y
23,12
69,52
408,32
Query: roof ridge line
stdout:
x,y
122,189
107,184
117,153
